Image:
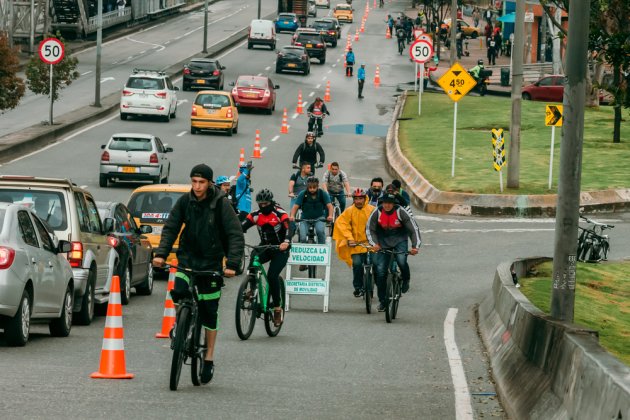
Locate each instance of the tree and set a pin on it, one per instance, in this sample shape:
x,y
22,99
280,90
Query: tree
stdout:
x,y
11,86
435,12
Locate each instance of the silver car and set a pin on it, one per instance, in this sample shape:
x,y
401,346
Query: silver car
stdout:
x,y
134,157
35,278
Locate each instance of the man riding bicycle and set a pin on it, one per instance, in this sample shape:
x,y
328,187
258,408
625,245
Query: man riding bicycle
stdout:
x,y
336,185
375,192
388,227
211,232
316,111
273,227
349,231
310,151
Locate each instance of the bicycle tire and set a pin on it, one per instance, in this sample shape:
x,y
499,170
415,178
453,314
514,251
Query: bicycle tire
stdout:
x,y
246,309
396,296
389,297
198,348
605,249
594,253
179,346
271,329
368,284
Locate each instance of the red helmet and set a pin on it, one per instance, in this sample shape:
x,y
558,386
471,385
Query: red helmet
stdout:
x,y
359,192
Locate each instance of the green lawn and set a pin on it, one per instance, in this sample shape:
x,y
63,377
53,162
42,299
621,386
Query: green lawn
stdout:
x,y
602,301
428,141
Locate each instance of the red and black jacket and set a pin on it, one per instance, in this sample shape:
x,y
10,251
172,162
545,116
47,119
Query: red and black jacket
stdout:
x,y
273,228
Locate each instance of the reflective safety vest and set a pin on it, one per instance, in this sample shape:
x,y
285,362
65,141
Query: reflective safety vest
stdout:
x,y
317,111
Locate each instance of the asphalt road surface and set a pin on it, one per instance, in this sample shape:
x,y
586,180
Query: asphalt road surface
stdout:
x,y
340,364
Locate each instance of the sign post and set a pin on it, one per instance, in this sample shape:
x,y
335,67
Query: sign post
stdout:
x,y
553,118
456,82
420,51
498,153
51,52
309,254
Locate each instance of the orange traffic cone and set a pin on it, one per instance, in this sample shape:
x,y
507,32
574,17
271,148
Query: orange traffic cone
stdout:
x,y
377,77
257,154
299,108
112,364
168,320
362,29
374,5
285,127
388,34
241,162
327,94
356,35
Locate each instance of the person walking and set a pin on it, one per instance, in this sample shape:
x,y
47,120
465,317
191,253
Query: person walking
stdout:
x,y
361,79
476,17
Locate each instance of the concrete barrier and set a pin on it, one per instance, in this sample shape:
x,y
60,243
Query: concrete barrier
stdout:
x,y
543,368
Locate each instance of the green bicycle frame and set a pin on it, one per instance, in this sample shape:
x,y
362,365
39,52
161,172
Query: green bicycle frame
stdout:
x,y
263,287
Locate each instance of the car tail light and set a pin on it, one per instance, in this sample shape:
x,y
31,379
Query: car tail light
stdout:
x,y
229,113
127,92
267,92
75,256
186,70
7,255
113,241
194,111
216,73
235,92
105,156
331,33
298,44
161,95
320,45
153,158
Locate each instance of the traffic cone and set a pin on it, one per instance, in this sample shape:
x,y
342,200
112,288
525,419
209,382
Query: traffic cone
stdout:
x,y
299,108
388,34
374,5
168,320
362,29
285,127
327,94
377,77
257,154
112,364
356,35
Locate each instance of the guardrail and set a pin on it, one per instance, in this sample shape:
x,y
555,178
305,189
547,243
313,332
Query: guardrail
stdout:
x,y
109,19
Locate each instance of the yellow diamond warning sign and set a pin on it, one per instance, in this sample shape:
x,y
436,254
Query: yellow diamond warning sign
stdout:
x,y
456,82
553,115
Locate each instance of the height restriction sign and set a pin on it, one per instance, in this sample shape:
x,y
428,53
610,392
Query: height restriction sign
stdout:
x,y
456,82
421,51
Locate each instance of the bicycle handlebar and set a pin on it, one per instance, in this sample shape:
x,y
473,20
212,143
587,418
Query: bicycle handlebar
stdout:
x,y
195,272
269,246
594,223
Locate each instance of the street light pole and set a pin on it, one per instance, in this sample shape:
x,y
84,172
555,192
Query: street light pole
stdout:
x,y
453,31
205,27
514,152
567,208
99,41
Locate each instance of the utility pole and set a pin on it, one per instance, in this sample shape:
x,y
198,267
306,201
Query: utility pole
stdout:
x,y
567,210
514,152
258,15
453,31
99,42
32,29
205,27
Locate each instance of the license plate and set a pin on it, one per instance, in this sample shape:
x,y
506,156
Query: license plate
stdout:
x,y
143,95
286,22
129,169
250,95
292,65
309,45
201,81
157,230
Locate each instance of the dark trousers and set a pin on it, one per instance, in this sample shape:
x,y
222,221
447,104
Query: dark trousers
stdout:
x,y
341,198
349,68
361,83
278,260
492,54
381,268
357,269
311,123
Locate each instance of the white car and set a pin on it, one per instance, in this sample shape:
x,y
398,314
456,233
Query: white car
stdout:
x,y
323,3
149,92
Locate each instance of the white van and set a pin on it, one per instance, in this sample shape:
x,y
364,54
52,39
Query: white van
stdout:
x,y
261,32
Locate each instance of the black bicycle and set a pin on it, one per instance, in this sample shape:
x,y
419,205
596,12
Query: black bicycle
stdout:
x,y
368,278
188,338
311,238
593,245
318,127
393,285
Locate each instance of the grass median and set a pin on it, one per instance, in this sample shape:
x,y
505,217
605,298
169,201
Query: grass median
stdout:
x,y
427,141
602,301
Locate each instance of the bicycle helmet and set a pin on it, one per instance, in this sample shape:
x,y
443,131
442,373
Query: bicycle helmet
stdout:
x,y
480,62
312,180
264,195
222,180
359,192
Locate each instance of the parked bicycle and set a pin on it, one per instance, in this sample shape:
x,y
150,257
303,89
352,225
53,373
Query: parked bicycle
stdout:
x,y
393,285
252,300
593,245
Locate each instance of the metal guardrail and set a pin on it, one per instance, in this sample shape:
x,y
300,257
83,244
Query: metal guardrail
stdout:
x,y
109,19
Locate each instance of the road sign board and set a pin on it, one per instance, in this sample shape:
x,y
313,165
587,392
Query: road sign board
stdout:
x,y
421,51
456,82
51,51
498,151
553,115
425,37
417,33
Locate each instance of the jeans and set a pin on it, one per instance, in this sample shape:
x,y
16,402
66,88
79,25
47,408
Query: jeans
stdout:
x,y
320,231
278,262
361,83
381,268
357,269
341,198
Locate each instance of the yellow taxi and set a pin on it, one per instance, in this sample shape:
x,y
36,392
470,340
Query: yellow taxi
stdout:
x,y
214,110
343,12
151,205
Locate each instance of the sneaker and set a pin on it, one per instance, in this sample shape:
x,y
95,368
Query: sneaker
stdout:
x,y
405,286
303,268
207,371
357,293
380,307
277,317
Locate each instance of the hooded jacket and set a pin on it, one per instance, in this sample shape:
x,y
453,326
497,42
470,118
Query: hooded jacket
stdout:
x,y
309,154
351,226
205,240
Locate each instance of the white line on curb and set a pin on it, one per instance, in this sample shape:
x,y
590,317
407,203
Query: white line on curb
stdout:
x,y
463,407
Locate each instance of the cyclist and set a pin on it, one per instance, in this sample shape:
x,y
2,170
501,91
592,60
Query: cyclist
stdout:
x,y
350,230
400,200
224,183
315,204
211,231
349,62
474,71
243,191
310,151
336,185
400,36
317,110
389,226
361,79
273,227
297,181
376,190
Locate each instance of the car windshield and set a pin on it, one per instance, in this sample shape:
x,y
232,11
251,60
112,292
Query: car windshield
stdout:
x,y
131,144
343,7
252,83
203,65
2,213
285,16
293,51
320,24
50,206
213,100
309,38
153,206
145,83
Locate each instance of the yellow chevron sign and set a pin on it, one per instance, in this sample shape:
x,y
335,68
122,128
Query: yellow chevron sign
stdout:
x,y
553,115
498,151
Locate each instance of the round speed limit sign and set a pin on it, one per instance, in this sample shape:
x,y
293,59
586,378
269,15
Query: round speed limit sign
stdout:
x,y
51,51
421,51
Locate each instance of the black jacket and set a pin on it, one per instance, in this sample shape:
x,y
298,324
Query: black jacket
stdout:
x,y
211,231
323,108
309,154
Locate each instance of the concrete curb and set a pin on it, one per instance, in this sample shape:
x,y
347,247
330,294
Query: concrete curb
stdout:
x,y
432,200
543,368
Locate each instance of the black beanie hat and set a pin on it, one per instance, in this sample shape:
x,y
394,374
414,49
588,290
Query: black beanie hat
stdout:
x,y
203,171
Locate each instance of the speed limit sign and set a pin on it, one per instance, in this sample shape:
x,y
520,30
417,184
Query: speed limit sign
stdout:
x,y
421,51
51,51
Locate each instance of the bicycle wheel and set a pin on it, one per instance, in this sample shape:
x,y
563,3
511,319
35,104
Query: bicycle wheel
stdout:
x,y
605,249
396,299
179,346
198,347
246,307
594,254
389,299
270,327
368,287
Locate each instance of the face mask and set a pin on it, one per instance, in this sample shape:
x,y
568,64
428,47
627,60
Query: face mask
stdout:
x,y
266,209
376,190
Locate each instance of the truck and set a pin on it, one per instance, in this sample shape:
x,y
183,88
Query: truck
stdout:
x,y
299,7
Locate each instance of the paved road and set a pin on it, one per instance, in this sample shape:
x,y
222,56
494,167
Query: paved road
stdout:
x,y
343,364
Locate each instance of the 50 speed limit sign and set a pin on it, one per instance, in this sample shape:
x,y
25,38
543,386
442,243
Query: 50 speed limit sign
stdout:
x,y
51,51
421,51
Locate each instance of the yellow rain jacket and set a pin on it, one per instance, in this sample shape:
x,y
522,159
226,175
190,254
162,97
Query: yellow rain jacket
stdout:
x,y
350,226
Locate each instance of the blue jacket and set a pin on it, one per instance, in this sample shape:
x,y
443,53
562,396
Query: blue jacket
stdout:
x,y
350,57
361,74
243,192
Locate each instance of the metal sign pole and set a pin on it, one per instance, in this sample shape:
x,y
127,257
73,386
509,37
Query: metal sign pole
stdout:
x,y
420,90
553,137
51,94
501,181
454,139
415,79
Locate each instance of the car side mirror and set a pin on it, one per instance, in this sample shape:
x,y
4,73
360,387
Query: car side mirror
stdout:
x,y
175,88
276,87
223,67
146,229
109,225
103,146
63,247
168,149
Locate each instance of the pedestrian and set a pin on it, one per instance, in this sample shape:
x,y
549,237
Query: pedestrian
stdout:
x,y
498,43
459,41
361,79
349,62
476,17
487,31
492,52
121,7
489,16
244,190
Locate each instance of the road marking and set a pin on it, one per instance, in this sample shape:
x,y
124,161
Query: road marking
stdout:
x,y
181,101
167,42
338,60
463,407
275,138
311,94
334,65
130,57
259,74
263,150
507,230
318,86
329,71
87,72
325,77
268,68
155,46
106,79
143,51
513,220
182,133
295,115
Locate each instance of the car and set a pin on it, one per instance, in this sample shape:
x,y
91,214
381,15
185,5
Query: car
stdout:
x,y
257,92
214,110
134,157
149,93
204,73
293,58
135,262
286,22
301,30
312,8
151,205
343,12
549,88
36,282
323,3
313,43
261,32
337,25
70,212
327,30
467,30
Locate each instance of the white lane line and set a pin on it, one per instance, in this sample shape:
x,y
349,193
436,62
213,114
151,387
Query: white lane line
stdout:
x,y
259,74
329,71
263,150
338,60
182,133
130,57
463,407
268,68
158,46
275,138
83,74
181,101
325,77
295,115
513,220
311,94
318,86
143,51
334,65
515,230
167,42
304,104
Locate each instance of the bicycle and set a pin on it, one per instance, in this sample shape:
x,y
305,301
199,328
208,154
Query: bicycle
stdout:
x,y
336,212
188,337
318,121
252,300
593,245
368,278
311,239
393,285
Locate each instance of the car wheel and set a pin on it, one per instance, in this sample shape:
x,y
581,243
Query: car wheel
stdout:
x,y
125,285
193,130
334,44
249,46
174,114
102,181
526,96
156,180
221,87
230,131
474,35
167,117
322,60
185,87
123,116
146,288
235,131
61,326
278,70
17,329
86,313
